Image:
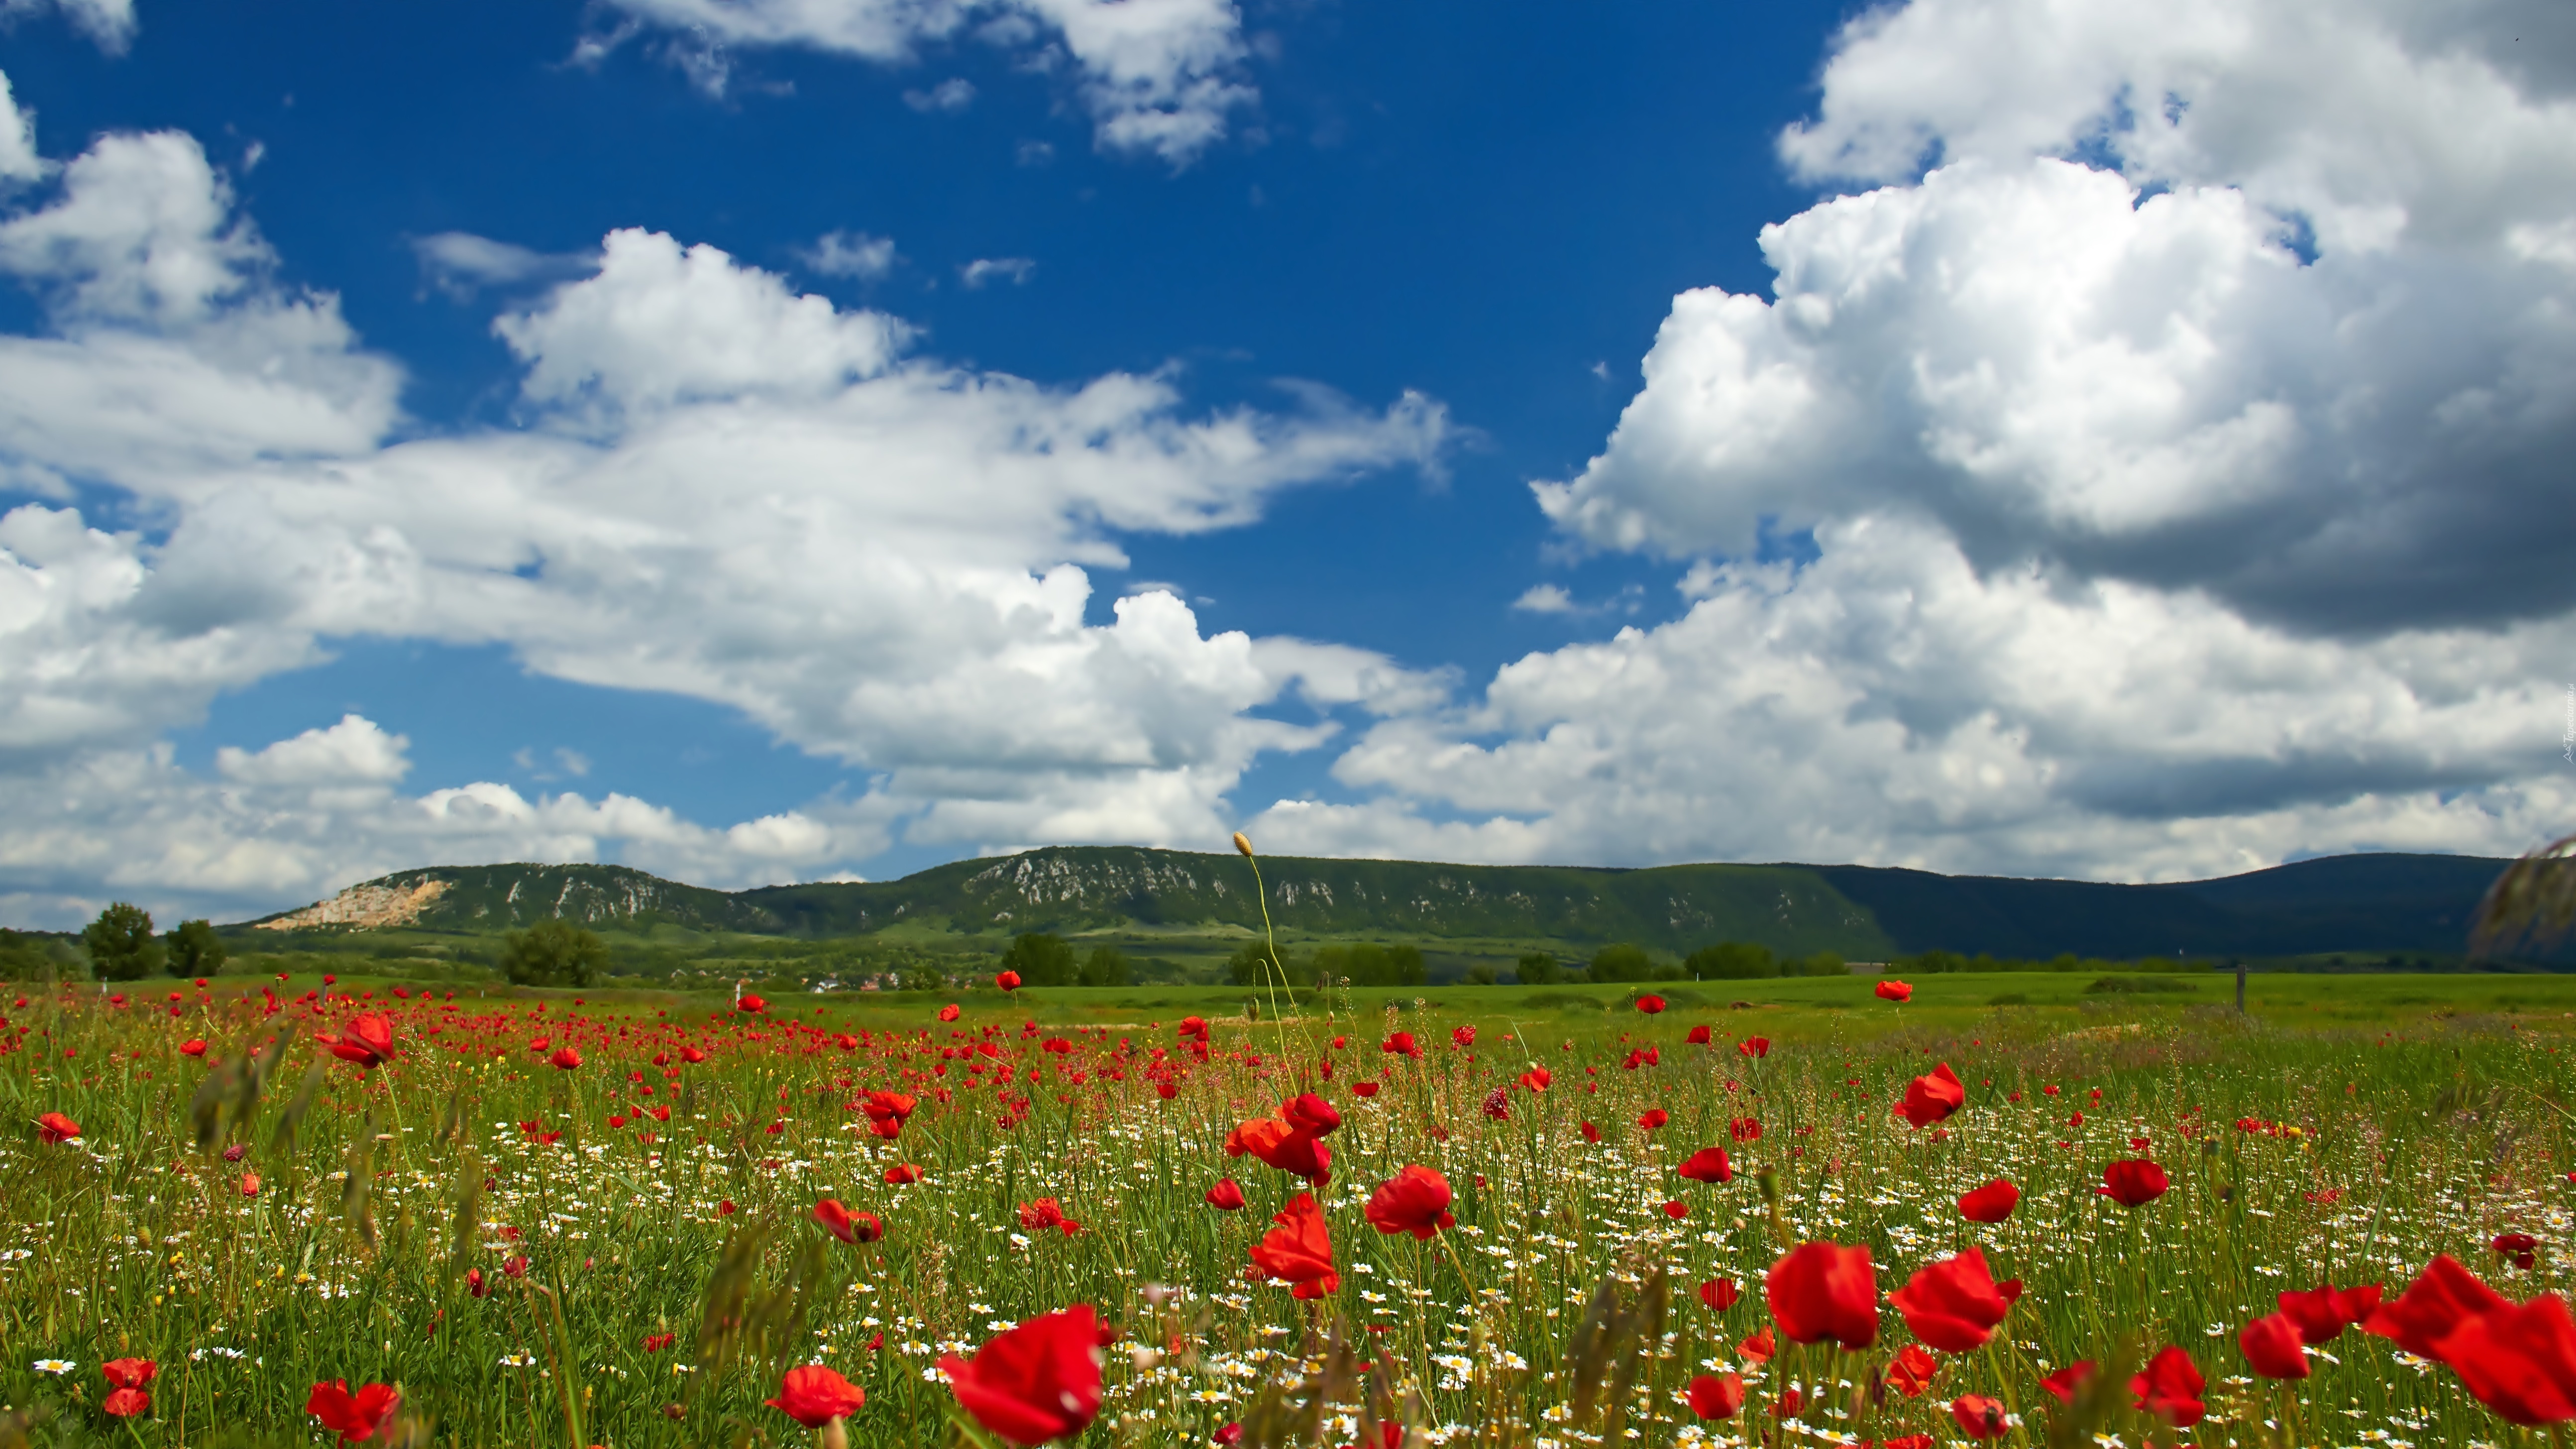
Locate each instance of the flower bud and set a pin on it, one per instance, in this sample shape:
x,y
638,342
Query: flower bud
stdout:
x,y
1243,843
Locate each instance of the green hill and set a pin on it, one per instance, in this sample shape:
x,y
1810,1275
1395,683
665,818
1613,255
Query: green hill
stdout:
x,y
2360,904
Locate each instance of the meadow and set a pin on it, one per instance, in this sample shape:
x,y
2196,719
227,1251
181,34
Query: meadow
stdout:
x,y
560,1218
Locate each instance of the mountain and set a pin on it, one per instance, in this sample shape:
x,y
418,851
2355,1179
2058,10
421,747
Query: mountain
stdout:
x,y
2359,904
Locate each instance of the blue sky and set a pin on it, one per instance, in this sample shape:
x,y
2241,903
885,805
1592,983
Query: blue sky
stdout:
x,y
2009,504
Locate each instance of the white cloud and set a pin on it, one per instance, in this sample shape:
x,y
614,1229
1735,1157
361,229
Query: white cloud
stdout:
x,y
1158,76
1545,599
1888,704
659,325
951,95
460,264
18,158
1015,270
109,23
852,254
304,817
355,751
2182,450
723,489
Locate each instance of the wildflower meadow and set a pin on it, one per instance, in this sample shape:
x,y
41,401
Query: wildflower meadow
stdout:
x,y
306,1211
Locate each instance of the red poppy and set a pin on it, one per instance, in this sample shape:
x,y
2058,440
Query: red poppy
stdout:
x,y
1911,1371
2067,1381
2134,1182
1698,1035
565,1058
1401,1043
1824,1290
1414,1201
1677,1210
1464,1036
1990,1204
125,1379
474,1285
192,1047
1591,1133
1717,1396
1310,1114
1537,1079
2170,1388
1008,981
2272,1345
1227,1195
1709,1164
902,1173
1720,1294
250,1184
1978,1417
1744,1129
656,1342
2321,1313
2440,1299
1047,1213
1650,1005
949,1012
1955,1304
356,1417
1283,1147
1758,1347
1653,1118
846,1225
1930,1099
1298,1251
2519,1360
887,1112
1754,1046
1895,991
1363,1089
814,1396
55,1127
366,1040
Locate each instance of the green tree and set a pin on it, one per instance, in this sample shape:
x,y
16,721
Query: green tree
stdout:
x,y
1105,966
1483,974
1042,959
1622,962
195,949
1732,961
1538,968
121,945
1824,963
24,958
553,953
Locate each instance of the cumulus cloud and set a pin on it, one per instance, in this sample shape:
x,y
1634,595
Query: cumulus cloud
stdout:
x,y
951,95
2179,422
720,488
303,817
1158,76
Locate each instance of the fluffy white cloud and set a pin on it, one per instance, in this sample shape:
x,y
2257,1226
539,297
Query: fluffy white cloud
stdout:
x,y
1158,76
1889,704
306,816
723,489
2183,452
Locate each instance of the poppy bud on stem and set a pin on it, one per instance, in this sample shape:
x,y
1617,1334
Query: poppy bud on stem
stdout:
x,y
1767,1178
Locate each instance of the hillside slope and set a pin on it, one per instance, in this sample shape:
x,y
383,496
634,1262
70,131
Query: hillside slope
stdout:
x,y
2359,904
